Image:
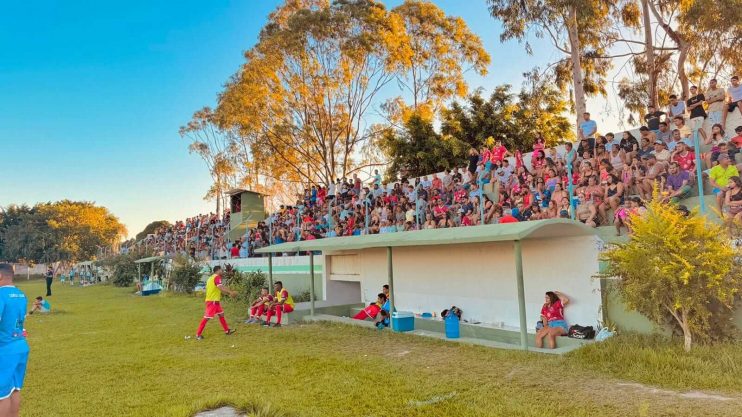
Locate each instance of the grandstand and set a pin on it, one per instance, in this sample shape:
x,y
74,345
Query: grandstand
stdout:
x,y
599,182
529,186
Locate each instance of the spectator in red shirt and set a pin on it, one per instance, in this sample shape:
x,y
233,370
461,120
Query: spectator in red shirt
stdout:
x,y
552,319
508,217
499,151
235,251
685,157
737,140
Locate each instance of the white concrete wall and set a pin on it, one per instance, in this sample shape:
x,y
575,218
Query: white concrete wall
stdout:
x,y
278,261
480,278
23,270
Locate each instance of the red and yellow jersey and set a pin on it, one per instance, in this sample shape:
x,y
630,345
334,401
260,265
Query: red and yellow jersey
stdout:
x,y
213,293
284,296
267,299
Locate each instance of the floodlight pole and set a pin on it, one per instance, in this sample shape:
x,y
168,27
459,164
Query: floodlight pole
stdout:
x,y
270,230
270,270
570,186
481,203
417,208
311,284
699,172
390,276
329,213
367,205
521,295
298,232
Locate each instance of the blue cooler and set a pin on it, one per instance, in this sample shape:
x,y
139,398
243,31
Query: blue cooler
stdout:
x,y
452,326
403,321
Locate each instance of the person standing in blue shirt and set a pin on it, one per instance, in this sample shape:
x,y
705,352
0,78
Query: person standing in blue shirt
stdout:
x,y
587,129
13,345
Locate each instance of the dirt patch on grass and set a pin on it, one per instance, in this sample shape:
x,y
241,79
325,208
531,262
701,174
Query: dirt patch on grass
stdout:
x,y
692,395
221,412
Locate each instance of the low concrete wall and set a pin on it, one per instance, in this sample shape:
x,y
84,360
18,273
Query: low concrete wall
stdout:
x,y
624,319
292,271
23,270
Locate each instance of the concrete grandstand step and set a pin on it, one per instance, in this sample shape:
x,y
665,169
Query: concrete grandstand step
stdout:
x,y
711,208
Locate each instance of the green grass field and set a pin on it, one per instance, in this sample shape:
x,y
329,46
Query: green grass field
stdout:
x,y
106,352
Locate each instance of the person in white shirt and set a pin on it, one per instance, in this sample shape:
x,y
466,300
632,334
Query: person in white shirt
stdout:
x,y
735,100
677,107
685,131
661,153
426,182
447,179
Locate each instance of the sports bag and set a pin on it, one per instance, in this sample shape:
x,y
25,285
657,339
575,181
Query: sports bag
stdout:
x,y
581,332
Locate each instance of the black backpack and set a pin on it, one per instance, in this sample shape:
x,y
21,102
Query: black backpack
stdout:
x,y
581,332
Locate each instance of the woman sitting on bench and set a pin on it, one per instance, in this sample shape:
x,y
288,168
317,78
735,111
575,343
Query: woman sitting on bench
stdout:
x,y
552,318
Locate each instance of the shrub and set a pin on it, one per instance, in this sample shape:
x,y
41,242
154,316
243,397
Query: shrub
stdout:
x,y
679,270
185,274
246,284
304,297
124,269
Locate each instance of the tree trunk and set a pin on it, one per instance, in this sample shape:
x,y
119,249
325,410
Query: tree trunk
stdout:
x,y
683,45
649,54
218,201
576,58
687,336
680,42
687,340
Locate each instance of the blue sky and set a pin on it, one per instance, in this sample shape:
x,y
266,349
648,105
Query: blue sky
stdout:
x,y
92,95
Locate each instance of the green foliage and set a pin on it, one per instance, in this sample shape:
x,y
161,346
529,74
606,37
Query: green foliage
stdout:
x,y
124,270
151,228
302,297
20,237
246,284
418,150
551,19
538,109
437,51
134,331
185,274
64,231
300,102
678,270
714,32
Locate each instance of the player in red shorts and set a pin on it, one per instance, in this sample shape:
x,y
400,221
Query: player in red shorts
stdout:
x,y
214,290
282,303
259,307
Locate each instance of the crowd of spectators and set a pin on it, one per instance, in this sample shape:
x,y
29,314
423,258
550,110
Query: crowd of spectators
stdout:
x,y
201,237
610,177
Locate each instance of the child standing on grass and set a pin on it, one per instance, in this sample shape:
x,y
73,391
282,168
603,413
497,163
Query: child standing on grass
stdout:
x,y
214,290
13,345
260,306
